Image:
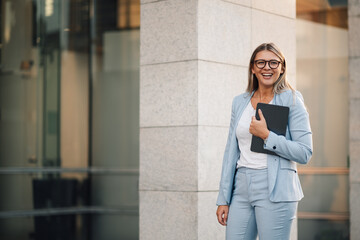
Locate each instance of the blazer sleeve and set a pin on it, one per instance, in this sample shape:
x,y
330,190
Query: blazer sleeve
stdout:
x,y
221,200
299,147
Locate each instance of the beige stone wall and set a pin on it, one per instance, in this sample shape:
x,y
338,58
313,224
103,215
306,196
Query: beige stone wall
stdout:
x,y
193,60
354,113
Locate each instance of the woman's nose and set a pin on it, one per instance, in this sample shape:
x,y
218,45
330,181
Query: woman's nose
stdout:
x,y
267,65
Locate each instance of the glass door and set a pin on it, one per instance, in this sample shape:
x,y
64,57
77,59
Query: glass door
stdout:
x,y
69,119
48,20
19,103
30,80
30,116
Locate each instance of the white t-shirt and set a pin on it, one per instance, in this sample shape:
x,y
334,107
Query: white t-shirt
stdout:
x,y
248,158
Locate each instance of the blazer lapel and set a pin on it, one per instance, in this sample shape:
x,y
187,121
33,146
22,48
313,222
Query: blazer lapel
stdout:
x,y
242,106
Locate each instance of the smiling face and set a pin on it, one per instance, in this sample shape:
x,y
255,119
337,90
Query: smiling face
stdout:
x,y
267,76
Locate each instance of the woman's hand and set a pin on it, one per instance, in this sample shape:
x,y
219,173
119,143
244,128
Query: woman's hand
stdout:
x,y
259,127
222,214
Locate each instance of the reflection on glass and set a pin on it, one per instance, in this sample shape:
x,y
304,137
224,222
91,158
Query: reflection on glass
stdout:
x,y
115,113
75,84
328,12
128,14
40,193
116,227
64,226
18,87
322,77
323,230
69,98
325,193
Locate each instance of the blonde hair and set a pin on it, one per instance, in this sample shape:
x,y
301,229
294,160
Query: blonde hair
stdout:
x,y
281,83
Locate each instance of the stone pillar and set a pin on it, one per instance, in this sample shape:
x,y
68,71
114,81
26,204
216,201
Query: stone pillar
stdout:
x,y
194,60
354,118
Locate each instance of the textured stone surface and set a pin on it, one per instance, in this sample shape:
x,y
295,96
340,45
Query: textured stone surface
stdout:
x,y
208,226
168,158
355,161
354,7
224,32
240,2
168,94
168,31
354,36
218,84
150,1
168,215
282,33
354,119
354,77
285,8
212,141
354,116
354,210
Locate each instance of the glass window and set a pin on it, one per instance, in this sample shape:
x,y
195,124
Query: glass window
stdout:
x,y
322,77
69,119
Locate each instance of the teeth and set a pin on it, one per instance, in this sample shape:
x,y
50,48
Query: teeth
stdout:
x,y
267,74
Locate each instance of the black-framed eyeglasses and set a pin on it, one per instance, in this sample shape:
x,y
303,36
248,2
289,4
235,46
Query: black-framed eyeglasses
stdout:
x,y
261,63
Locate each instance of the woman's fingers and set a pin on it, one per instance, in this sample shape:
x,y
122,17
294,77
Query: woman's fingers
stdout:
x,y
225,218
222,214
261,115
259,127
219,216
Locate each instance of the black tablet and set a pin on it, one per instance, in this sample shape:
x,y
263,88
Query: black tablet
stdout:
x,y
276,119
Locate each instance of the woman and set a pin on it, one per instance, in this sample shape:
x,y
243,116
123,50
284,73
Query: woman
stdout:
x,y
259,192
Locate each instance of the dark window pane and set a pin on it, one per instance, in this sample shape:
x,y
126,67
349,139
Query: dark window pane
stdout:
x,y
323,230
325,193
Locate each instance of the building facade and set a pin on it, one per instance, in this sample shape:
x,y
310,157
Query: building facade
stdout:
x,y
114,114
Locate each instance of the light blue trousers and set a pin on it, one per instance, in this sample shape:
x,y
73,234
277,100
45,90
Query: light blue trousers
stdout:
x,y
252,213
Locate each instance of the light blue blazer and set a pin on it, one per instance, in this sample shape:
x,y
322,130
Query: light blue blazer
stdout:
x,y
295,147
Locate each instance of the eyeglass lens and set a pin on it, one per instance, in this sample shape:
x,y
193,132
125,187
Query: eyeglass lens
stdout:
x,y
262,63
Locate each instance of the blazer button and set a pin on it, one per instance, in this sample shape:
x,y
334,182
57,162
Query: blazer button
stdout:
x,y
274,147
